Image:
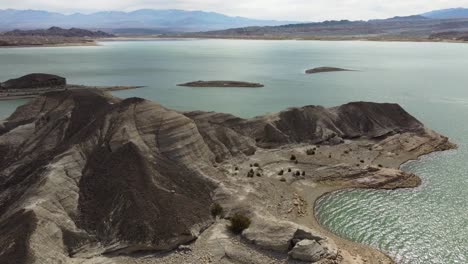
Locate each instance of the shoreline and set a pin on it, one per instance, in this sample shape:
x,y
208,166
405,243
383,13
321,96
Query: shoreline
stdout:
x,y
314,194
311,38
32,93
96,42
58,45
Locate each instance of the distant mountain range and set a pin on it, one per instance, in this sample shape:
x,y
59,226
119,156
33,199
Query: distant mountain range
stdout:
x,y
147,20
451,13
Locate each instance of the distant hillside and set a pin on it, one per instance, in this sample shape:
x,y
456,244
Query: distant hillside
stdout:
x,y
408,28
163,20
57,31
447,13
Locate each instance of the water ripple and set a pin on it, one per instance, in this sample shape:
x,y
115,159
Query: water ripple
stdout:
x,y
425,225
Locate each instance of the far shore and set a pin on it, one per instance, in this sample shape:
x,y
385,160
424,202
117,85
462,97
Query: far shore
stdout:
x,y
32,93
311,38
96,42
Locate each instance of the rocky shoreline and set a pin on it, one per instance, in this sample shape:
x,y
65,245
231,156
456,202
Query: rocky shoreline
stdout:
x,y
130,181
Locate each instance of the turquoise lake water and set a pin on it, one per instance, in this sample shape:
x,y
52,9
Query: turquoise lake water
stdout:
x,y
430,80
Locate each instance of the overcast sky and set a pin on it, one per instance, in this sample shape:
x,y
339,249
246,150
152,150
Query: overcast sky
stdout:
x,y
306,10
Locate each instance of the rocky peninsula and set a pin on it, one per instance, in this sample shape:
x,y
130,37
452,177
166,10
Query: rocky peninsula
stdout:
x,y
35,84
86,177
325,69
221,84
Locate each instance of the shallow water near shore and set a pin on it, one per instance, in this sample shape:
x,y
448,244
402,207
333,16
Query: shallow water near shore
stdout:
x,y
424,225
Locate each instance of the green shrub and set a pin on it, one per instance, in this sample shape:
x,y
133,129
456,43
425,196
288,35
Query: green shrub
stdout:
x,y
216,210
239,223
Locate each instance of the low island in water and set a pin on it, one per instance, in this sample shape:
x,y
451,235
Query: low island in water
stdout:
x,y
325,69
222,84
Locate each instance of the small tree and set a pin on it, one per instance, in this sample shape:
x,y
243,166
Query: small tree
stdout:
x,y
216,210
239,223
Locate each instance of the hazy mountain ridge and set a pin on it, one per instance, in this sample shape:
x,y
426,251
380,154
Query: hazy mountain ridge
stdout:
x,y
416,27
447,13
180,20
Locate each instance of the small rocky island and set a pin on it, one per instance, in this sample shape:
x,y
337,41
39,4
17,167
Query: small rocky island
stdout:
x,y
34,84
86,177
221,84
325,69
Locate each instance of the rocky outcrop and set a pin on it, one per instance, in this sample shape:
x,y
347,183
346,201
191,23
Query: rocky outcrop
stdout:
x,y
84,173
298,241
34,80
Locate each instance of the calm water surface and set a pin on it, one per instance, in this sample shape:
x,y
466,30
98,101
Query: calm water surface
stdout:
x,y
424,225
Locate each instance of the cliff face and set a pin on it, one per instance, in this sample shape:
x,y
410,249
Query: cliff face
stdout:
x,y
82,172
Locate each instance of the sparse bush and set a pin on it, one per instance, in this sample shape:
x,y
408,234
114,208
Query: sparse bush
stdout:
x,y
362,161
296,162
293,157
251,173
236,168
239,223
310,152
256,165
259,174
298,173
289,170
380,165
216,210
282,179
281,172
329,156
303,173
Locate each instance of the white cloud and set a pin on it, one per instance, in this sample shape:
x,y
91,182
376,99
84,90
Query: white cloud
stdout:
x,y
307,10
